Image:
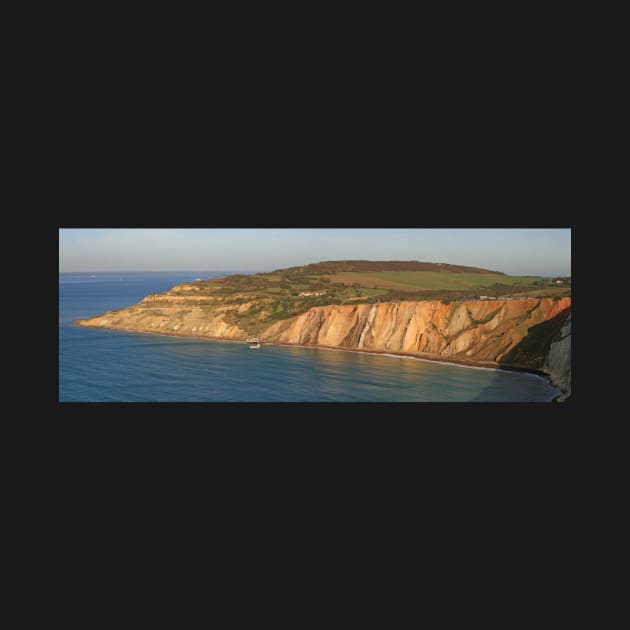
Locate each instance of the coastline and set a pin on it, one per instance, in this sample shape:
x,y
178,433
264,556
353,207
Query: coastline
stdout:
x,y
469,363
466,363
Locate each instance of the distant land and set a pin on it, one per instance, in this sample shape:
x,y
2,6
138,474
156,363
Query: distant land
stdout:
x,y
432,310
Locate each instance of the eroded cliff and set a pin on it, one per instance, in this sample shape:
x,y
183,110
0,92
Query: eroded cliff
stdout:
x,y
511,332
515,332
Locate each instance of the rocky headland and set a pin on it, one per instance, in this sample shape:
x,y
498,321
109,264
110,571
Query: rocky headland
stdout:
x,y
517,333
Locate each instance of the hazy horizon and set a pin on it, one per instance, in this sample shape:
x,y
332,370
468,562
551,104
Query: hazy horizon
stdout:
x,y
514,251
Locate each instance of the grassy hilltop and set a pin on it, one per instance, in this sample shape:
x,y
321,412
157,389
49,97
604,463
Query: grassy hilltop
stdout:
x,y
287,292
420,309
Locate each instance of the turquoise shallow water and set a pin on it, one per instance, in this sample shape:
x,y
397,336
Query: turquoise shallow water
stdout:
x,y
112,366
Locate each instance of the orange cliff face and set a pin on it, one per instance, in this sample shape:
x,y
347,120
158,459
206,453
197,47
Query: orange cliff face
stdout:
x,y
511,332
515,332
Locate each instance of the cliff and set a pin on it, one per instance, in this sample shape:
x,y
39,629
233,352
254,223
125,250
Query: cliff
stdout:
x,y
516,333
558,361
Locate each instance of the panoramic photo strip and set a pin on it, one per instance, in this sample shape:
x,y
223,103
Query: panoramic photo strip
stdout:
x,y
315,315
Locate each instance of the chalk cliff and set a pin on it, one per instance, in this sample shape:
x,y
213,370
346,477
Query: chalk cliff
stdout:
x,y
558,361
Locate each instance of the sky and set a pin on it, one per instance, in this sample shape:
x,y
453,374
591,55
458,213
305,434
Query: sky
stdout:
x,y
541,252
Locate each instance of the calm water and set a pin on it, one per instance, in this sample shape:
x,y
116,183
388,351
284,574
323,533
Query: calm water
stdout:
x,y
109,366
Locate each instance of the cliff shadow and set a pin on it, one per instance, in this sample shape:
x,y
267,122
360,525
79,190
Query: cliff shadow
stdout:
x,y
529,354
531,351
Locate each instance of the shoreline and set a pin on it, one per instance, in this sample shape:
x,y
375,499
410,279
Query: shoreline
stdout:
x,y
488,365
466,363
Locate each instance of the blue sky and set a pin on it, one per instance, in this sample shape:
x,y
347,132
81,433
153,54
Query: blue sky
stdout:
x,y
544,252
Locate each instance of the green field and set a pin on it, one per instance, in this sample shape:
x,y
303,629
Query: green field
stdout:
x,y
428,280
277,296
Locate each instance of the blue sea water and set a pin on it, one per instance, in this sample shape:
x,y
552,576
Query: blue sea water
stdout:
x,y
98,365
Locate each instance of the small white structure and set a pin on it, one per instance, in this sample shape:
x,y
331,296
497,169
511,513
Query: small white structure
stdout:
x,y
253,342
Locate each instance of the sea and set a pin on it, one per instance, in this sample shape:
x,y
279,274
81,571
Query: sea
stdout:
x,y
97,365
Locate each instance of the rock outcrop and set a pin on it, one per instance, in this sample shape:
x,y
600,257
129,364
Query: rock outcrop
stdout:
x,y
558,361
524,333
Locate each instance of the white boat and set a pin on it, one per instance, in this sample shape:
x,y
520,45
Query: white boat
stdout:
x,y
253,342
